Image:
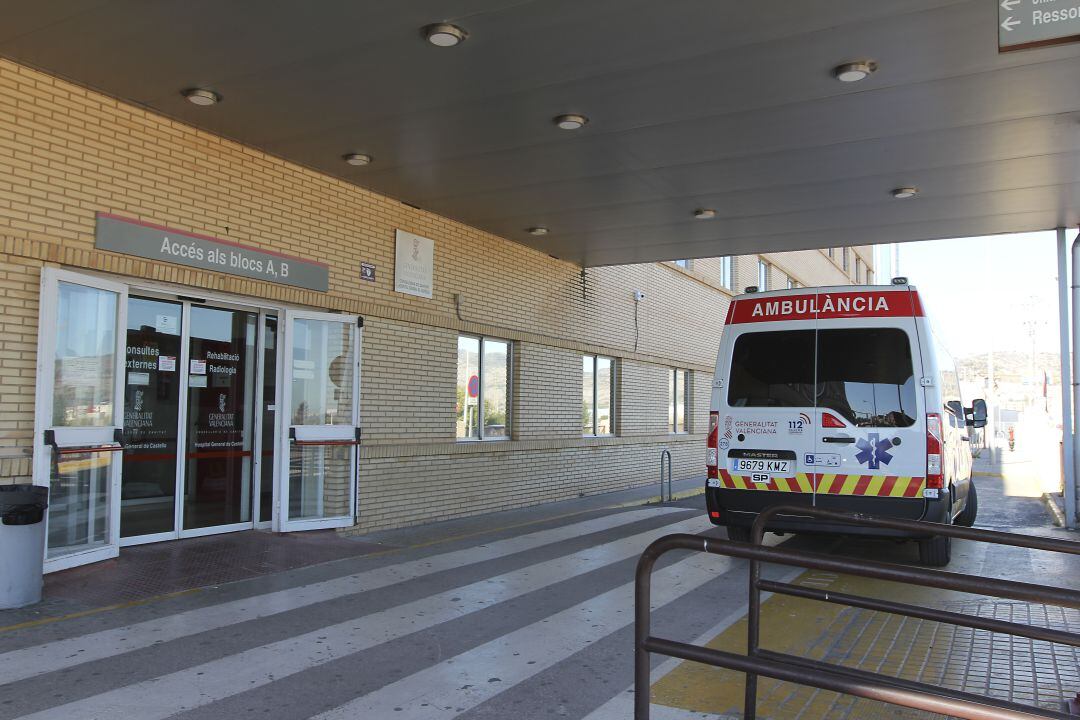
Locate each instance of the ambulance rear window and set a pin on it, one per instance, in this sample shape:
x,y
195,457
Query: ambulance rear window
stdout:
x,y
862,374
773,369
865,375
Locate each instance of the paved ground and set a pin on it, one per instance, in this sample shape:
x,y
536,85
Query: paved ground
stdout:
x,y
974,661
525,614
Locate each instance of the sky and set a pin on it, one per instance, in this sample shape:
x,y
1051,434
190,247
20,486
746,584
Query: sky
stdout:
x,y
984,293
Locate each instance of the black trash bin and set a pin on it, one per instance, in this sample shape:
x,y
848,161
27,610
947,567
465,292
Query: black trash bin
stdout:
x,y
22,543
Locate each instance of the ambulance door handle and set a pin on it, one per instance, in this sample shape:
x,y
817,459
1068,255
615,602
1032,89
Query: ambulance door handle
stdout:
x,y
834,439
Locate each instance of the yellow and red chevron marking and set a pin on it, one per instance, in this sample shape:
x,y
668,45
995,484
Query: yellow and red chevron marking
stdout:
x,y
801,483
872,485
867,485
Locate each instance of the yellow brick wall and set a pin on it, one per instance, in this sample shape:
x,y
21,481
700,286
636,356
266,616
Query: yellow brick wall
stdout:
x,y
20,280
67,153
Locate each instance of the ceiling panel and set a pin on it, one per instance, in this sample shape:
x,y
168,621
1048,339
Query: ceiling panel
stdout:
x,y
693,102
673,216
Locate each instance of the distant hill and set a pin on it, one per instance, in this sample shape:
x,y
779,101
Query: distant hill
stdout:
x,y
1010,366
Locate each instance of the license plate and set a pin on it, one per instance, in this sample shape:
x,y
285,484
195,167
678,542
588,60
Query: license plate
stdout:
x,y
752,465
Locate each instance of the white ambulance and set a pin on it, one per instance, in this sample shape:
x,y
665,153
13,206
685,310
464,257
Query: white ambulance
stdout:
x,y
840,398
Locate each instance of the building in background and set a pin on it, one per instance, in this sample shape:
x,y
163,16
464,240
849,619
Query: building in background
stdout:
x,y
200,338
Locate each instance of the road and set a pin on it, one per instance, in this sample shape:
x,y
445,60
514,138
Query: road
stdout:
x,y
532,620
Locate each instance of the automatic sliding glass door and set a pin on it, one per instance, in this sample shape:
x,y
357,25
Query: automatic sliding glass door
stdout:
x,y
151,419
220,420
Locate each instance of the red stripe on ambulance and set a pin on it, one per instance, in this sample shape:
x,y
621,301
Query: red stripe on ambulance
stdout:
x,y
825,306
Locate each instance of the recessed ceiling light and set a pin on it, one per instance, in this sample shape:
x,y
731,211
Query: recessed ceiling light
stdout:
x,y
570,122
902,193
704,214
199,96
854,71
445,35
538,230
357,159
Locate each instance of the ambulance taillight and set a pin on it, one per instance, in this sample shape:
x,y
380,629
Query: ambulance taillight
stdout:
x,y
934,478
831,421
712,454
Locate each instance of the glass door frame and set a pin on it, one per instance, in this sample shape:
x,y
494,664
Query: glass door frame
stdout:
x,y
328,434
181,417
91,436
186,302
259,521
186,296
182,444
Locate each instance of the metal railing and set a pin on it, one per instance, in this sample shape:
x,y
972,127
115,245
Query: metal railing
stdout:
x,y
665,455
838,678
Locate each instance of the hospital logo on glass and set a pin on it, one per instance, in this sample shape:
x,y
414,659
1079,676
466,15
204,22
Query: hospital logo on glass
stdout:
x,y
873,451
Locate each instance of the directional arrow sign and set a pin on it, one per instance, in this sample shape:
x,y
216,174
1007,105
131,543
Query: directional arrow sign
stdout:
x,y
1034,23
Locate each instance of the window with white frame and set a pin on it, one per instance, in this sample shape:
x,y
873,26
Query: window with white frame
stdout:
x,y
762,275
858,270
832,253
483,389
678,400
844,258
684,264
725,272
597,395
790,283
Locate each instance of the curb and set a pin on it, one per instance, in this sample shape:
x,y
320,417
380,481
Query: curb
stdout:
x,y
1055,511
657,500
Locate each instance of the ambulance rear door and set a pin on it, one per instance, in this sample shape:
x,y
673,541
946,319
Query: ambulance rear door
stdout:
x,y
871,441
766,424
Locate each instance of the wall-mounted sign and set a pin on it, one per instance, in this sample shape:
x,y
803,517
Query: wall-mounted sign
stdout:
x,y
156,242
414,264
367,272
1035,23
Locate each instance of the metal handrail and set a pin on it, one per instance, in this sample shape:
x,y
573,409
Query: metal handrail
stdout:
x,y
842,679
665,454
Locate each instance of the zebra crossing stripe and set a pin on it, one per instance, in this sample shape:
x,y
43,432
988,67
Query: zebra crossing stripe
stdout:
x,y
209,682
57,655
621,706
460,683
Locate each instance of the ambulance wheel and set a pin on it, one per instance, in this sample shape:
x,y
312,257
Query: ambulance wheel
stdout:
x,y
935,551
967,515
738,533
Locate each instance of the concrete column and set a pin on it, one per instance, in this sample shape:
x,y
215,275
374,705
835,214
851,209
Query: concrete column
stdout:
x,y
1068,369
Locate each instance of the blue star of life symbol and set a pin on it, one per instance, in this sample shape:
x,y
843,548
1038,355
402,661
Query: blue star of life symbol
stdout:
x,y
873,451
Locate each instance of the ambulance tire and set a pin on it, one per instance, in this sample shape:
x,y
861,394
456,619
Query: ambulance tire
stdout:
x,y
935,551
738,533
967,515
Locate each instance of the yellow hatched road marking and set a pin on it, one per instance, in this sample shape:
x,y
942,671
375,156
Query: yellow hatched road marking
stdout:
x,y
805,628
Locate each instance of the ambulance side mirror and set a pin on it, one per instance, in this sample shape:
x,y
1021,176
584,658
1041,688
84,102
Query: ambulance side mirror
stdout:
x,y
978,414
